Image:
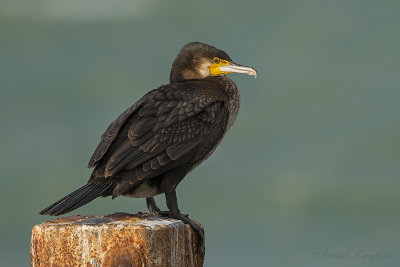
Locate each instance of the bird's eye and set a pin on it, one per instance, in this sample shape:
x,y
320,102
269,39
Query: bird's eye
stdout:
x,y
216,60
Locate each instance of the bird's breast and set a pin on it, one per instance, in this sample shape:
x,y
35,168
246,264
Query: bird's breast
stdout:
x,y
233,104
233,101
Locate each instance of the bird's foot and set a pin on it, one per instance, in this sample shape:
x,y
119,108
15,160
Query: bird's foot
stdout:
x,y
185,219
167,213
152,206
154,210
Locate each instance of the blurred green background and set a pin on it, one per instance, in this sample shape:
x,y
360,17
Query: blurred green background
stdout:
x,y
308,175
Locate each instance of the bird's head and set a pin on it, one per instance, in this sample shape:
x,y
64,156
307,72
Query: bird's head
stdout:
x,y
198,61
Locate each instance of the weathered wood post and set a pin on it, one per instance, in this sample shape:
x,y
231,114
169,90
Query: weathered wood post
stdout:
x,y
115,240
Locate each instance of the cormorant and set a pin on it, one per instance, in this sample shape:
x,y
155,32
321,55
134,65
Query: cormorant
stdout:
x,y
156,142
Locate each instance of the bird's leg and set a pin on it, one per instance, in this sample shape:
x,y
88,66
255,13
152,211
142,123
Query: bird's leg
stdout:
x,y
152,206
172,204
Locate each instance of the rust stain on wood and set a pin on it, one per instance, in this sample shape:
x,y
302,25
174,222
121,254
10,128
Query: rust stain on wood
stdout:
x,y
114,240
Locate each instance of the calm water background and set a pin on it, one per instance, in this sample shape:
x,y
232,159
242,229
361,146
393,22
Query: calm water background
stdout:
x,y
309,174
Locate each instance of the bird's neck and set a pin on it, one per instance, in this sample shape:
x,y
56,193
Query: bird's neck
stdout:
x,y
233,96
230,90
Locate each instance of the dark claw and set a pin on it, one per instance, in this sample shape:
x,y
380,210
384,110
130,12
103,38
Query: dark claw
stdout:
x,y
162,213
167,214
152,206
154,211
185,219
195,227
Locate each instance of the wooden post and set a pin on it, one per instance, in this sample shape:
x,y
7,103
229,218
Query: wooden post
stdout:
x,y
115,240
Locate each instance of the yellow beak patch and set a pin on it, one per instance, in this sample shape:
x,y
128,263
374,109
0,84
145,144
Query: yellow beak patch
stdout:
x,y
215,67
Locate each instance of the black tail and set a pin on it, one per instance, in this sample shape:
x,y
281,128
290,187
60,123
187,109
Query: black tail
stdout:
x,y
76,199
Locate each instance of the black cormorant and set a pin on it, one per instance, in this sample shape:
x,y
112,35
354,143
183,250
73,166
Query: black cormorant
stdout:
x,y
155,143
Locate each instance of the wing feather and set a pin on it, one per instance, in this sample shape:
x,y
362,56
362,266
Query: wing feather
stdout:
x,y
161,131
112,131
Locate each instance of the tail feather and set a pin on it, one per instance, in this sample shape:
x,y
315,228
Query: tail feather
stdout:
x,y
76,199
54,205
80,201
73,199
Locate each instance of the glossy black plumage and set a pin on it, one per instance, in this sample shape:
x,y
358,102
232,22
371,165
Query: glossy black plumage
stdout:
x,y
152,145
174,126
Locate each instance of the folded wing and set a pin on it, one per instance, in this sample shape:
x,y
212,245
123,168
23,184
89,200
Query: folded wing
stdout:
x,y
173,125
